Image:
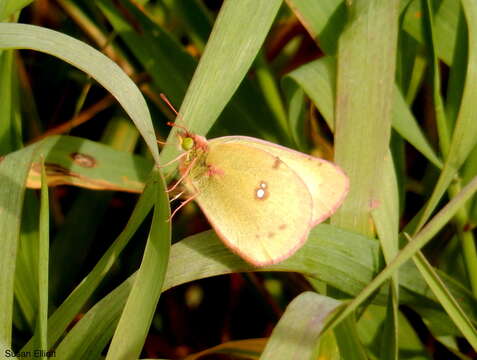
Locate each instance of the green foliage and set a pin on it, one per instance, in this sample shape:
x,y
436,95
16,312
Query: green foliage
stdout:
x,y
84,272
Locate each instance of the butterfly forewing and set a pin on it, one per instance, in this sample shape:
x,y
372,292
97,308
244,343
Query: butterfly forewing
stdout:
x,y
257,204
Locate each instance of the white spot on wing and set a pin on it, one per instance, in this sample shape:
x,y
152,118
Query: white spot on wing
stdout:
x,y
261,193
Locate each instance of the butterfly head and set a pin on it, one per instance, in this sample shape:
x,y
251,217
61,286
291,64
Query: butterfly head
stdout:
x,y
192,142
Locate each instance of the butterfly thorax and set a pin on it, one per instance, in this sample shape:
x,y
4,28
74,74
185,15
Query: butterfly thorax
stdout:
x,y
194,164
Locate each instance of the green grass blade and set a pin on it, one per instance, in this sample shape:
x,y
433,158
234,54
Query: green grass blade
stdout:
x,y
389,348
92,333
446,299
463,138
138,312
324,20
9,132
295,97
364,104
66,312
348,341
91,61
343,259
445,26
441,121
269,87
297,333
318,78
196,18
75,238
386,220
406,125
104,168
426,234
26,274
41,333
228,55
154,48
9,7
386,212
13,172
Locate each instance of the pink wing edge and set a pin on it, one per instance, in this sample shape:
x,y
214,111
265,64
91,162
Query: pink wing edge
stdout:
x,y
236,249
339,169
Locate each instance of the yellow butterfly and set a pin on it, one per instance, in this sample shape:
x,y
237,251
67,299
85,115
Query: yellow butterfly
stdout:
x,y
262,199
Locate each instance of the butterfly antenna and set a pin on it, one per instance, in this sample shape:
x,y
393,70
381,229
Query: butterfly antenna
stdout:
x,y
168,103
173,109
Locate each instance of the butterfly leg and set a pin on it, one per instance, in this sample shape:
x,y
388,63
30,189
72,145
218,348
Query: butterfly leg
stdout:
x,y
174,160
186,173
177,196
184,203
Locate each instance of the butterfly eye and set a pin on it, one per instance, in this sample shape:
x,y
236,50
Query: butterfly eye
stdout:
x,y
187,143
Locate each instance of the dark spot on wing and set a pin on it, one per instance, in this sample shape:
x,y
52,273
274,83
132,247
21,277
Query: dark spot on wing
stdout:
x,y
282,227
276,163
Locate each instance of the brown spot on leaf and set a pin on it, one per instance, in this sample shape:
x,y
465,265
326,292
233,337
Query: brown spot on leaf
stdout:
x,y
83,160
282,227
271,234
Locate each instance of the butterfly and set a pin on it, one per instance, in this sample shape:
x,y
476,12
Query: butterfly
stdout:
x,y
262,199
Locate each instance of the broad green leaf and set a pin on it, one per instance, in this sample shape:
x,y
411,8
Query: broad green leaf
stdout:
x,y
364,103
297,333
91,61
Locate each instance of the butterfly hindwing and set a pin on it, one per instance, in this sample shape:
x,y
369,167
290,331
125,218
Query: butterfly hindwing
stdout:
x,y
326,182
